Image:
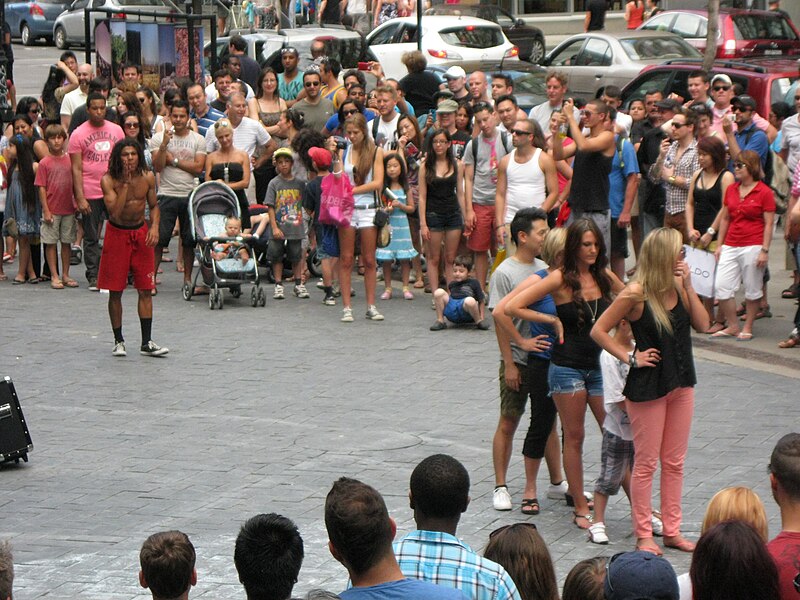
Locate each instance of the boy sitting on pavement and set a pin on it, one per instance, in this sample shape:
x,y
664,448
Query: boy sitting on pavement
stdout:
x,y
465,301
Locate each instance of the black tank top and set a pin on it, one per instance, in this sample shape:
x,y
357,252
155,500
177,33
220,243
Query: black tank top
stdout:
x,y
579,350
441,195
590,186
707,202
676,367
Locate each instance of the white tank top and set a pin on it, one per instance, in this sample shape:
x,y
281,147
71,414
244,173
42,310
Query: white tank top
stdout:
x,y
525,184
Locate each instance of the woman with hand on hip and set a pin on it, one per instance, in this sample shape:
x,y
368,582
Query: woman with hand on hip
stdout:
x,y
660,305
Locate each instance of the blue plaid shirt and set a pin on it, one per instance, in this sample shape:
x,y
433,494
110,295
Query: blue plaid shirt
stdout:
x,y
443,559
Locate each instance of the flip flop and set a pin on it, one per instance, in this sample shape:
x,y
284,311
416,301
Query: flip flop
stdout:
x,y
7,258
530,506
3,277
419,284
721,334
18,281
56,284
70,283
716,324
744,337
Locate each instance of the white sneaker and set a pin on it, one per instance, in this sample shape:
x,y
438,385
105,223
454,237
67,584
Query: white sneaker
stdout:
x,y
347,315
373,314
597,533
119,349
320,284
300,291
657,524
501,500
278,293
556,492
153,349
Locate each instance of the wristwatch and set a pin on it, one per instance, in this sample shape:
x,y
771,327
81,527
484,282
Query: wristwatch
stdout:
x,y
672,179
711,231
174,162
632,360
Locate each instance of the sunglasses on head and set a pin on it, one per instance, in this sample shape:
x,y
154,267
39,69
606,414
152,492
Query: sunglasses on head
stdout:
x,y
288,50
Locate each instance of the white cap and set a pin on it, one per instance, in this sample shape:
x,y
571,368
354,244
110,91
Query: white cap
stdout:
x,y
454,73
723,78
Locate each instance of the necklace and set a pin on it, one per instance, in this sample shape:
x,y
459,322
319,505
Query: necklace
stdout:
x,y
593,312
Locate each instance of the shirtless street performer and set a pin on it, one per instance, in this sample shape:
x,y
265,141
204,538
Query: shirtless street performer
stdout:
x,y
129,242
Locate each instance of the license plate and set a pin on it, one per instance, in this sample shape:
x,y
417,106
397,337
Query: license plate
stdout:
x,y
773,52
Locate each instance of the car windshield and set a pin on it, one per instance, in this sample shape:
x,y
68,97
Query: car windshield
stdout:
x,y
657,47
473,36
763,27
530,83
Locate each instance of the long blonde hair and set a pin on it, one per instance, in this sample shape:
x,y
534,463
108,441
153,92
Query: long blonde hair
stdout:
x,y
656,272
739,504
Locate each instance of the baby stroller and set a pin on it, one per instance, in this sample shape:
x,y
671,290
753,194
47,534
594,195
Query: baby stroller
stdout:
x,y
209,205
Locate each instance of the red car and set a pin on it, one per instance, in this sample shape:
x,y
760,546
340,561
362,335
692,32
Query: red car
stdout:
x,y
742,33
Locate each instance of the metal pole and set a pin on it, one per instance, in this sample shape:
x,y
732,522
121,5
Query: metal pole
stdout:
x,y
190,33
419,25
87,32
6,110
213,22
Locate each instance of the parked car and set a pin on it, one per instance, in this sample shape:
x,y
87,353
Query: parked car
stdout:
x,y
446,40
767,80
529,39
742,33
595,59
68,29
264,46
34,19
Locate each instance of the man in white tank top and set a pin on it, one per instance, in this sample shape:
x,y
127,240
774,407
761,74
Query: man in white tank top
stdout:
x,y
525,177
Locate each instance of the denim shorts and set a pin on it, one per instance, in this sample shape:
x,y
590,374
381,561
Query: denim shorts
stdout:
x,y
444,222
455,313
566,380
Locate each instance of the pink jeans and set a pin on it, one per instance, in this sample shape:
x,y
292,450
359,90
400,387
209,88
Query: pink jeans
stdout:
x,y
660,431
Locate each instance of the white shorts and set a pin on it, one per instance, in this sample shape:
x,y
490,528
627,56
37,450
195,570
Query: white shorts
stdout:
x,y
363,218
738,264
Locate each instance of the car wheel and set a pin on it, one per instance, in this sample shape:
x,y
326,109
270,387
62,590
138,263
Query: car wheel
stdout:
x,y
60,38
25,34
537,51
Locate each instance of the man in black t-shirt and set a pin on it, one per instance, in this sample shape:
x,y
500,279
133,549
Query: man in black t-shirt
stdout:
x,y
595,15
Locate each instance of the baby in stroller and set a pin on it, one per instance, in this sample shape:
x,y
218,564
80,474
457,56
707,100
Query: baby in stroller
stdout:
x,y
231,250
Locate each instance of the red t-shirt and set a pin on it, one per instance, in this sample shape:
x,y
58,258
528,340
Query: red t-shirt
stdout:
x,y
785,550
55,176
94,144
746,226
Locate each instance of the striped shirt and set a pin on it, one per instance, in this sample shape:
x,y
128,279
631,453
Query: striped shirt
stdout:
x,y
207,120
445,560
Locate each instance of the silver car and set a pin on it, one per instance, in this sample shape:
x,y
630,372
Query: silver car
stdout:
x,y
69,30
594,60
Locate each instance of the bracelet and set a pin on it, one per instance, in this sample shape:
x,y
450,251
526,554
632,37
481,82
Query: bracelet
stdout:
x,y
671,179
711,231
632,360
765,250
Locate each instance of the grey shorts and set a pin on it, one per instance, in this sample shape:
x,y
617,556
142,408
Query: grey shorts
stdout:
x,y
291,249
616,460
64,229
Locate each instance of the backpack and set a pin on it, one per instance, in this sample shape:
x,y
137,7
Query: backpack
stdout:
x,y
503,140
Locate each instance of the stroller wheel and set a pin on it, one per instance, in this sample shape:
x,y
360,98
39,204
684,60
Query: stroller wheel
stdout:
x,y
219,298
262,297
187,291
253,297
212,301
314,264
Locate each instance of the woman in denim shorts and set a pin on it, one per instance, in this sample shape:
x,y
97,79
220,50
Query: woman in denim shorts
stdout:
x,y
441,205
582,290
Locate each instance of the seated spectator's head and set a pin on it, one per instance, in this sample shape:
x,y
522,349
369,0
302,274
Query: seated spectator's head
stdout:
x,y
784,469
731,561
321,595
521,551
439,487
360,531
167,565
6,572
268,556
585,580
640,575
738,504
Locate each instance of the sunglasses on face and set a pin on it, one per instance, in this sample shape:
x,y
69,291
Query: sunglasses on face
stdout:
x,y
718,88
347,113
520,132
311,84
678,125
131,126
741,109
738,165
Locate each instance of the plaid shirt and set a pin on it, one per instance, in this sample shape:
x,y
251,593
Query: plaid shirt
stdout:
x,y
688,164
443,559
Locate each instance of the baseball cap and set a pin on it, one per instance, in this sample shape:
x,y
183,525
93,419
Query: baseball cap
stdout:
x,y
454,73
287,152
640,575
669,104
745,101
447,106
721,78
320,156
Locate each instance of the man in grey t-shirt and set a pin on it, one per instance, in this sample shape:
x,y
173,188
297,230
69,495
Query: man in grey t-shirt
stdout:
x,y
481,156
528,229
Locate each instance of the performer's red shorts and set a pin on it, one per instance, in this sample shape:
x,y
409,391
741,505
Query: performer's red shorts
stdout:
x,y
125,251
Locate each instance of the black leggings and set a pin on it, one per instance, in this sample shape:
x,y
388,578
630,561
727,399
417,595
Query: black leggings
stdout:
x,y
543,409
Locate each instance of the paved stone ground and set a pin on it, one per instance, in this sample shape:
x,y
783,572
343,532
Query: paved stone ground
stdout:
x,y
260,410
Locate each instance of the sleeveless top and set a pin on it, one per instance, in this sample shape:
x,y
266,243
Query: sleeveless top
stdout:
x,y
235,173
441,195
637,15
525,185
707,202
545,306
579,351
590,185
676,367
365,199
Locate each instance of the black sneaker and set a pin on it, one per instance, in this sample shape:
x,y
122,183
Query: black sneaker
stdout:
x,y
93,285
153,349
438,326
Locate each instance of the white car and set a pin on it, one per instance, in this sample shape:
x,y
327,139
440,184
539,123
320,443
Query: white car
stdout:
x,y
446,40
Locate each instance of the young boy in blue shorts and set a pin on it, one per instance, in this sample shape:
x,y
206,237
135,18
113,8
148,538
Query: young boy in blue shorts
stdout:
x,y
463,302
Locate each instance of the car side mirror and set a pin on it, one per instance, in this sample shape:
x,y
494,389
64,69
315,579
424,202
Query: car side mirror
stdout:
x,y
519,23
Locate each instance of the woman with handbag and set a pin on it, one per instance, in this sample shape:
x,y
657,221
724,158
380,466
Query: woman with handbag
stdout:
x,y
441,205
661,306
362,161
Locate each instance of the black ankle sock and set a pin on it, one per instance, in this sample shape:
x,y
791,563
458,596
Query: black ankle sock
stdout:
x,y
118,335
297,282
147,327
328,290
